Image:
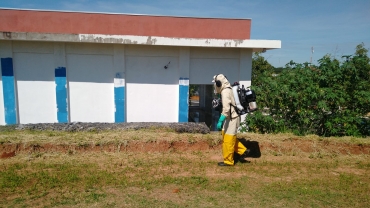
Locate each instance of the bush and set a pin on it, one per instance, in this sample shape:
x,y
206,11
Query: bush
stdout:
x,y
330,99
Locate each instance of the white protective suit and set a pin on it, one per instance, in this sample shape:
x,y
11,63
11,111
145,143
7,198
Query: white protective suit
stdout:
x,y
230,143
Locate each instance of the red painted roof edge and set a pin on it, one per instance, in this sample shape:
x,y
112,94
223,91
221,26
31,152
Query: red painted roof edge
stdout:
x,y
12,20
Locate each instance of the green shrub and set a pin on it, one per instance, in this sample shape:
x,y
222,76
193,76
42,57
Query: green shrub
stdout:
x,y
330,99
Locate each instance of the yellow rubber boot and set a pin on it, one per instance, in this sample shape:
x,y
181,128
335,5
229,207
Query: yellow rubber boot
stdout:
x,y
228,147
239,147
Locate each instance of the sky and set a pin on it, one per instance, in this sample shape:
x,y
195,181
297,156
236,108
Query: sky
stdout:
x,y
333,27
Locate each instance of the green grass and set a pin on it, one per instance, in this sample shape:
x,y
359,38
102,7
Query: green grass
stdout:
x,y
181,179
149,179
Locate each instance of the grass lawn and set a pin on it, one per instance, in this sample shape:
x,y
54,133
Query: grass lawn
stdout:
x,y
152,168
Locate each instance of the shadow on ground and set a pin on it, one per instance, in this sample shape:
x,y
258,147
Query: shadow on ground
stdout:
x,y
253,146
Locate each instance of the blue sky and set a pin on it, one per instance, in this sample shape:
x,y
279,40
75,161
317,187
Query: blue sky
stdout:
x,y
332,27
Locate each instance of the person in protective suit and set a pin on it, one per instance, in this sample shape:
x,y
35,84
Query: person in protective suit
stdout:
x,y
231,121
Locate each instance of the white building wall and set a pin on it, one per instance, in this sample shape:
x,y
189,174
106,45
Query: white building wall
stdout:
x,y
33,67
152,90
59,55
90,74
184,62
35,87
245,77
207,62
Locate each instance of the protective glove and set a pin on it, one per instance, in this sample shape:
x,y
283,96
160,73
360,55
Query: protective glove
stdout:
x,y
220,121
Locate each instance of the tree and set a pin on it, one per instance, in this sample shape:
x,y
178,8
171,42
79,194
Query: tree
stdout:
x,y
262,71
328,99
259,66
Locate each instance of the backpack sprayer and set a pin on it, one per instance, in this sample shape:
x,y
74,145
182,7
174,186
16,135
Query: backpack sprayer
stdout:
x,y
245,100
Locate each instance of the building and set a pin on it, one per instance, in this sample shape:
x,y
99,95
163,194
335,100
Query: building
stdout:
x,y
59,66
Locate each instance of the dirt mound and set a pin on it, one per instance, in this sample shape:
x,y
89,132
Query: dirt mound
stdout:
x,y
313,148
160,137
